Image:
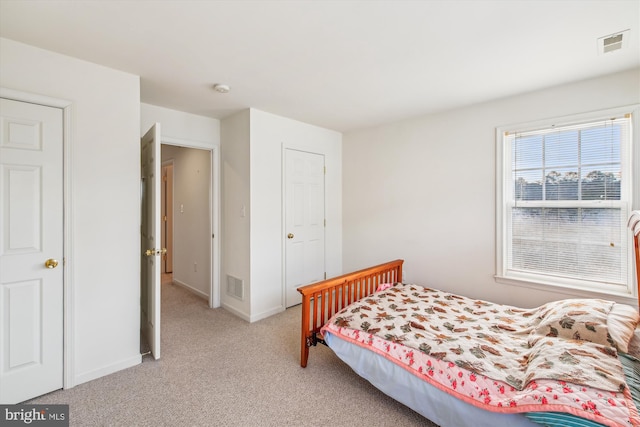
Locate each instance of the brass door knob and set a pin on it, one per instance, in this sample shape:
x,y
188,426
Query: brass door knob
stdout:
x,y
154,251
290,236
51,263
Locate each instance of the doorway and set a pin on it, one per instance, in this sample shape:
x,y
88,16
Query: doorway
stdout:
x,y
67,280
187,217
198,212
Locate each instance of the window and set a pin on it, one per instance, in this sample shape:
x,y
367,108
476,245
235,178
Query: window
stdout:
x,y
564,195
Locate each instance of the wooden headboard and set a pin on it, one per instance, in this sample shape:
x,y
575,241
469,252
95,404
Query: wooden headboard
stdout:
x,y
322,300
634,225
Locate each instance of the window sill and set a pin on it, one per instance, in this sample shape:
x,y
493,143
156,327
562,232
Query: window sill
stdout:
x,y
568,290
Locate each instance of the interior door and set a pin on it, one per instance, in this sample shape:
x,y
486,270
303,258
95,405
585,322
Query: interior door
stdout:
x,y
31,250
304,222
150,238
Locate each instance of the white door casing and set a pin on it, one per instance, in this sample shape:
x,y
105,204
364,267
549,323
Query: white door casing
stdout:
x,y
214,196
304,222
31,232
150,238
167,216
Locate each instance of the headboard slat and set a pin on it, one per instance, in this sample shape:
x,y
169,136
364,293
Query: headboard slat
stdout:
x,y
323,299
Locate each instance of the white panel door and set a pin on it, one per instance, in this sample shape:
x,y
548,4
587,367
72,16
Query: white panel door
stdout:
x,y
151,238
304,222
31,251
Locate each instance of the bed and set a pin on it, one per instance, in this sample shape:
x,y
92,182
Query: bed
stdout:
x,y
465,362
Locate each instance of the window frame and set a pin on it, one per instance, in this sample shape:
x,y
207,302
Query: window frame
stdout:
x,y
629,200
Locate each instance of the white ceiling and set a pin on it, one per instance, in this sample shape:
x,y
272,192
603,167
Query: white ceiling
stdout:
x,y
342,65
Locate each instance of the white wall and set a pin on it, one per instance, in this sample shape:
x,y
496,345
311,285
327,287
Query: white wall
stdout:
x,y
180,126
196,183
234,135
103,259
424,189
252,144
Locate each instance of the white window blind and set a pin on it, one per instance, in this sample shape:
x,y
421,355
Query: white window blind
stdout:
x,y
565,203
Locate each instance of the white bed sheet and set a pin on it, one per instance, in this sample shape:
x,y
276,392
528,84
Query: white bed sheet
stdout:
x,y
427,400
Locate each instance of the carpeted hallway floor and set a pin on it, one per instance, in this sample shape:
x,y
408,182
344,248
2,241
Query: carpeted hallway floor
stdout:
x,y
218,370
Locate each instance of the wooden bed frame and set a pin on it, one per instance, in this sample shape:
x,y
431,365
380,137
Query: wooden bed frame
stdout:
x,y
634,226
321,300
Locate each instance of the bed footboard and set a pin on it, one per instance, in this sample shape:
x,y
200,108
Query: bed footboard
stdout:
x,y
321,300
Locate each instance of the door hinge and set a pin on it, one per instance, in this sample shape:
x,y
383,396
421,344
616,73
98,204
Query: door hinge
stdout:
x,y
325,275
325,222
324,169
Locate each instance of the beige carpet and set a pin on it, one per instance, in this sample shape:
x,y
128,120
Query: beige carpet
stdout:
x,y
218,370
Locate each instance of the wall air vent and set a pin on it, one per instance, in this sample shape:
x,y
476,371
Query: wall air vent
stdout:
x,y
235,287
613,42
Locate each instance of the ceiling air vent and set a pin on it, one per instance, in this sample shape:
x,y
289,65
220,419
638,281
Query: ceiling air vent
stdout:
x,y
612,42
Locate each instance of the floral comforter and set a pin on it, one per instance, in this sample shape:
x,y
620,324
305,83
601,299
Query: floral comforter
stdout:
x,y
497,357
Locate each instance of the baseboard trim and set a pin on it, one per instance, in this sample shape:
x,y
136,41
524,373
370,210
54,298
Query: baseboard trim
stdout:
x,y
266,314
191,289
113,368
253,318
236,312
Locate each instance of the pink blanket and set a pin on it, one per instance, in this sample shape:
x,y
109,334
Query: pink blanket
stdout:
x,y
496,357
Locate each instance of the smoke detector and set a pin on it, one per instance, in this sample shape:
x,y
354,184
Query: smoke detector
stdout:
x,y
613,42
220,88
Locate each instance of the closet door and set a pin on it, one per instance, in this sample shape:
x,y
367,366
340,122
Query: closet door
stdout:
x,y
304,222
31,250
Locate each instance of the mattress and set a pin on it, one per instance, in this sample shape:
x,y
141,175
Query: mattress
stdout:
x,y
430,402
